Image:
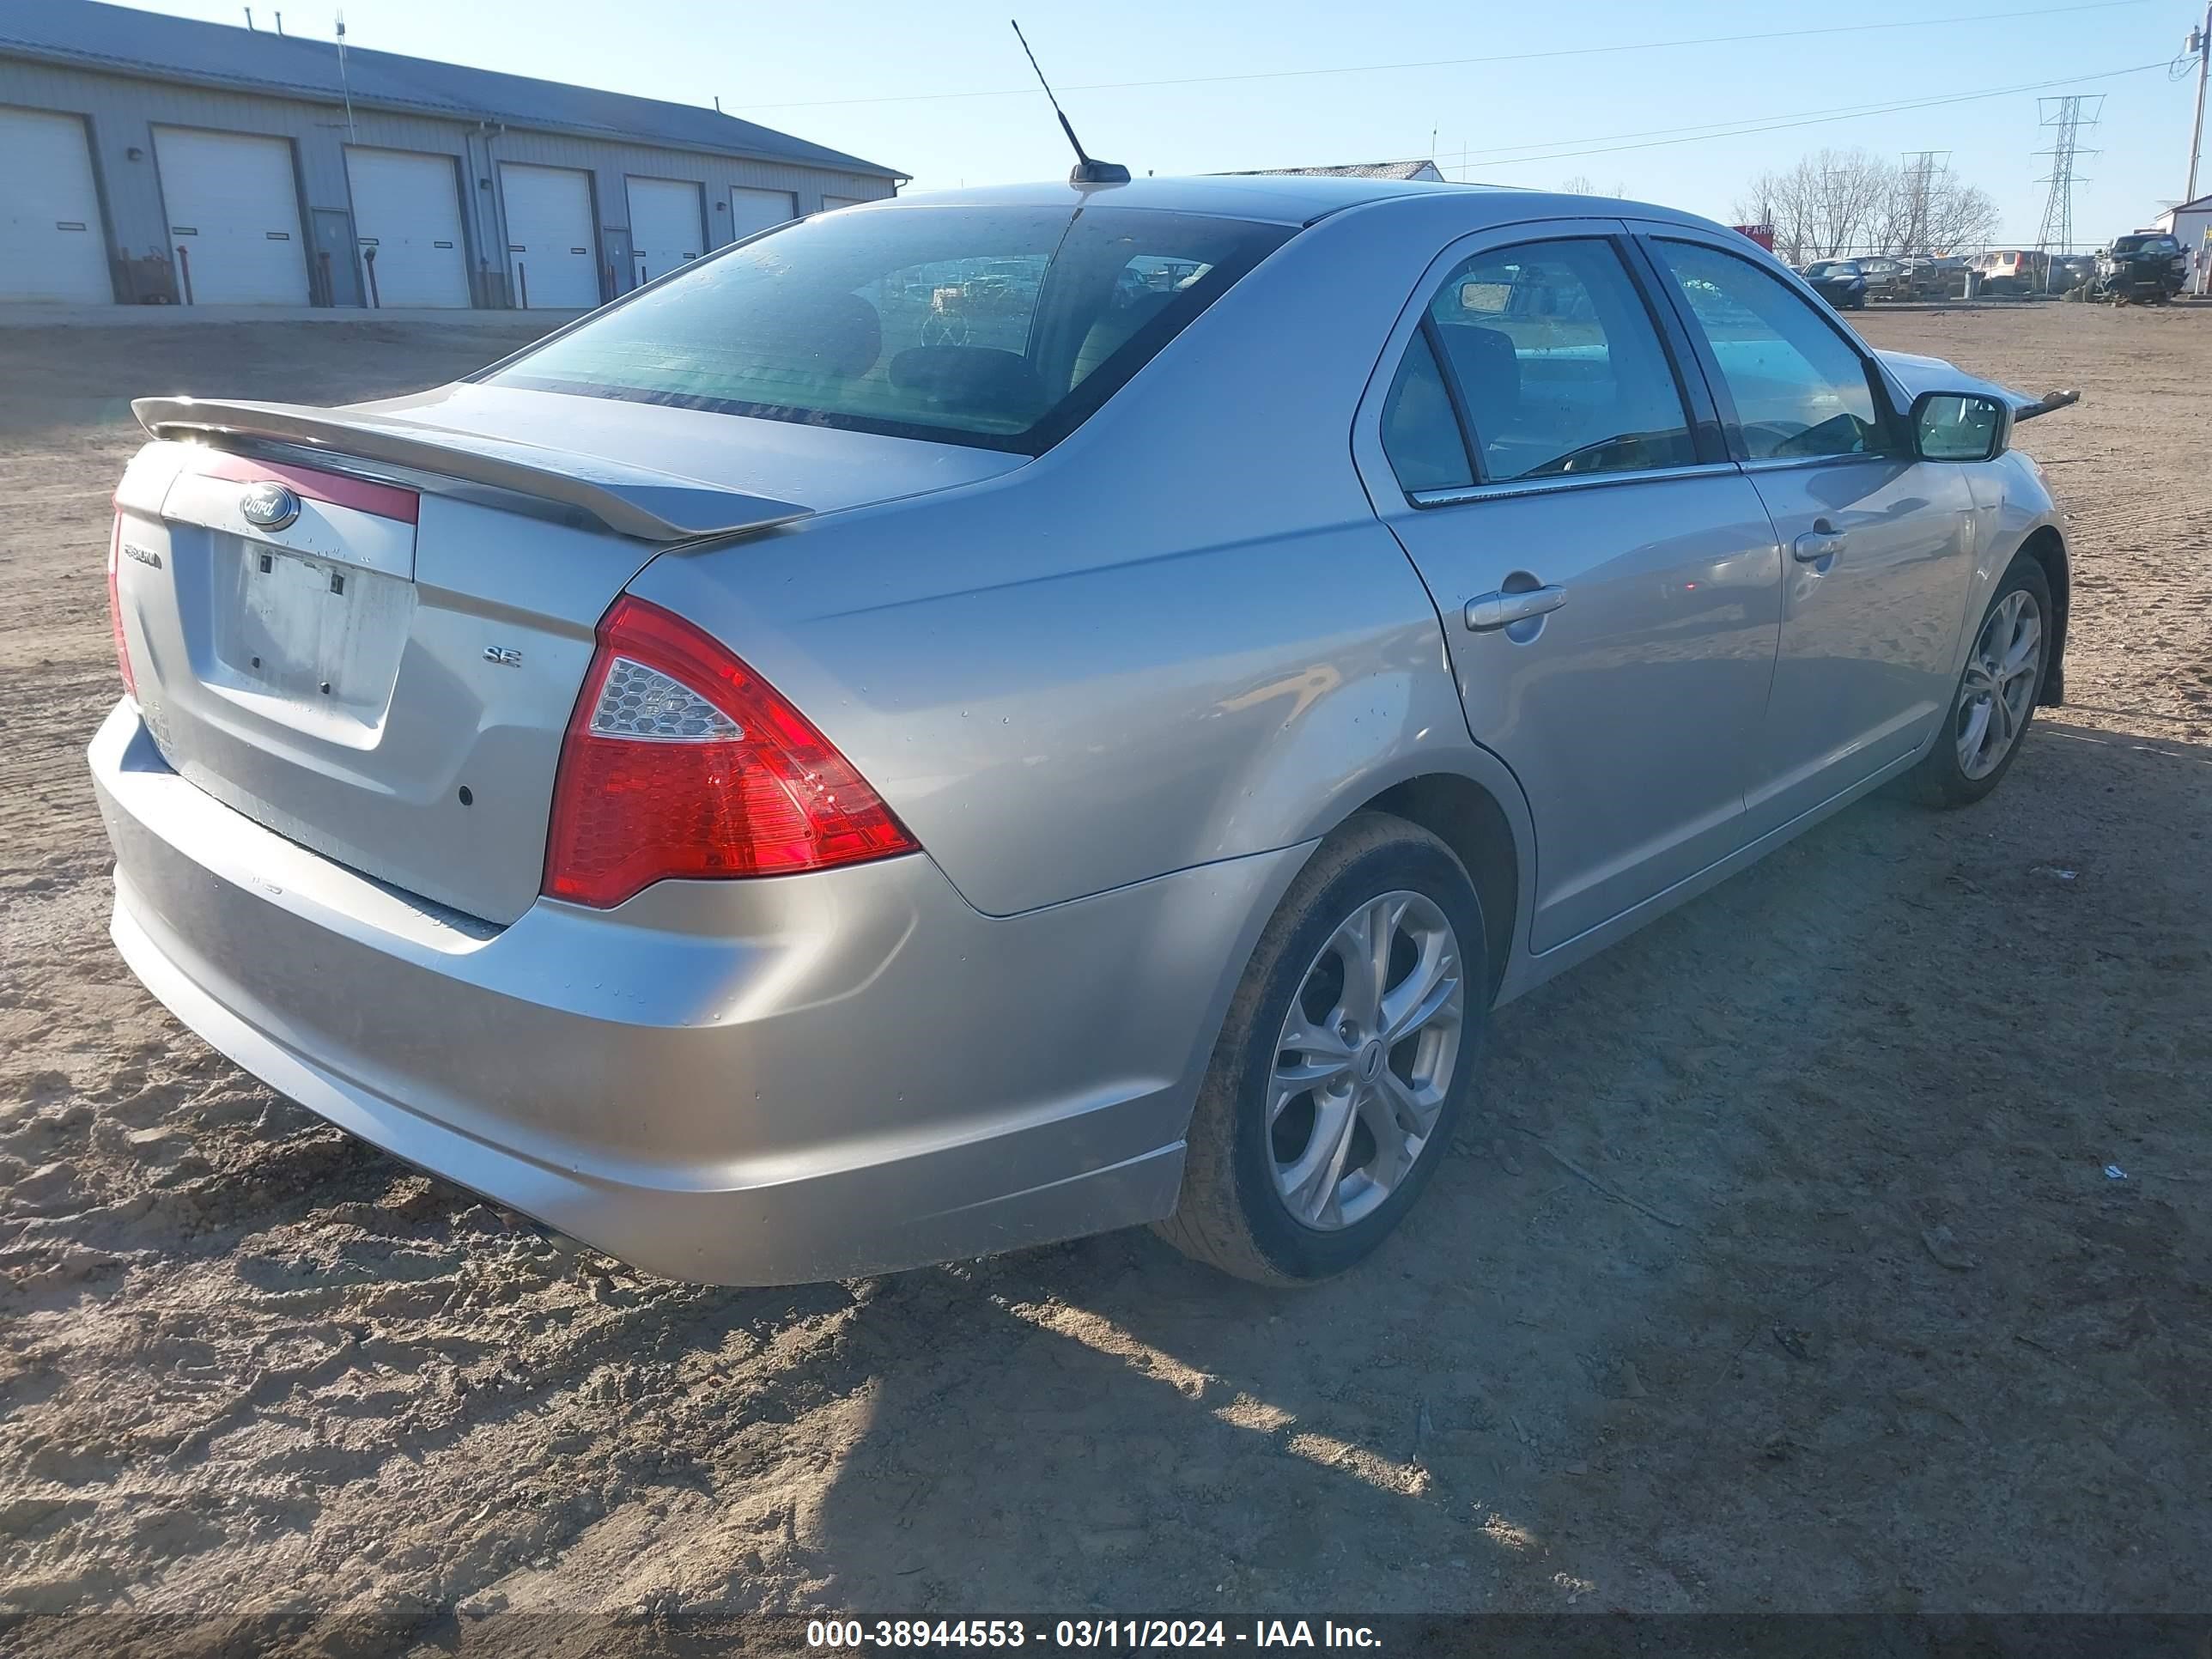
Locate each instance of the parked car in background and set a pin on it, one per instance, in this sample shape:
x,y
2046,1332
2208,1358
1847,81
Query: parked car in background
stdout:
x,y
2149,266
2071,271
2012,270
1839,281
776,797
1886,278
1935,276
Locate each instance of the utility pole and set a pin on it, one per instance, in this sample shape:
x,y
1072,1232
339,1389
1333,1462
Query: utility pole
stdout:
x,y
2200,43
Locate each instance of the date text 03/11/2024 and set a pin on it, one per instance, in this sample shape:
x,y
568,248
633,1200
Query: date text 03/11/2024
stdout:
x,y
1086,1634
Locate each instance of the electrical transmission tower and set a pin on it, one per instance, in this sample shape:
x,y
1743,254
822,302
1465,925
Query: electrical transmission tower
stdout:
x,y
2065,117
1922,169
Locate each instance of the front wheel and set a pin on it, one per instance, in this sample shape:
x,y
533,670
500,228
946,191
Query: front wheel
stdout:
x,y
1346,1061
1995,695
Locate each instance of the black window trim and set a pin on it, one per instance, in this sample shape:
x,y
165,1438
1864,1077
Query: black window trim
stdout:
x,y
1895,444
1454,394
1709,431
1700,417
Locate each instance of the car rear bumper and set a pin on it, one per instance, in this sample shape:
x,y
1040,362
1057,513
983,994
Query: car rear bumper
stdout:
x,y
759,1082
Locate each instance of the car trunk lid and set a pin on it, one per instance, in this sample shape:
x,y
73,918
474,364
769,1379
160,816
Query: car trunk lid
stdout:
x,y
366,630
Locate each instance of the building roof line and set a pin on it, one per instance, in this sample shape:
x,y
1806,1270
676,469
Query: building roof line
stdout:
x,y
77,33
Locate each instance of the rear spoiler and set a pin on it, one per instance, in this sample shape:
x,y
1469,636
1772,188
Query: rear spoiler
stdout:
x,y
630,501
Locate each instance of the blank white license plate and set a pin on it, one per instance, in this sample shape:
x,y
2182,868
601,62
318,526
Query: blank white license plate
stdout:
x,y
310,631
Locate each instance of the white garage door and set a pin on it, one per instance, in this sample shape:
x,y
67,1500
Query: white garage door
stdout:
x,y
52,247
755,210
406,211
235,212
549,258
831,202
665,229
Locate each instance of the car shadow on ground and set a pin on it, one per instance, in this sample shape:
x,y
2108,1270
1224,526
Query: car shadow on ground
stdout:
x,y
1783,1248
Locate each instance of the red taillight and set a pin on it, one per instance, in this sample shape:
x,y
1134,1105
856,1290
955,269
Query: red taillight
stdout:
x,y
680,761
115,609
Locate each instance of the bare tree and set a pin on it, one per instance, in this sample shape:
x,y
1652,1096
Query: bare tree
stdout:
x,y
1757,206
1583,185
1851,202
1955,214
1828,203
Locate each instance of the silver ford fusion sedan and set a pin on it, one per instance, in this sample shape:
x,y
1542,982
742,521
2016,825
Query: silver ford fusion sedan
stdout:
x,y
976,719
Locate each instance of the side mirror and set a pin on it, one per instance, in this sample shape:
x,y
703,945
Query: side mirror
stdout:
x,y
1960,426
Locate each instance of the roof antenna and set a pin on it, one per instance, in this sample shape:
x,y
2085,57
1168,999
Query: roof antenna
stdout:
x,y
1085,170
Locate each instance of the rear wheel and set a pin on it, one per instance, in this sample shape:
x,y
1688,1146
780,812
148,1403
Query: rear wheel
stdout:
x,y
1345,1062
1995,695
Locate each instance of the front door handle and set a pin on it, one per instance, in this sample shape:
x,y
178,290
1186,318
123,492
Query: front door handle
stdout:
x,y
1491,611
1820,542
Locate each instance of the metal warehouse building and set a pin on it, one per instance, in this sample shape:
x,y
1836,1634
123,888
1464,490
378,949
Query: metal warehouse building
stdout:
x,y
147,158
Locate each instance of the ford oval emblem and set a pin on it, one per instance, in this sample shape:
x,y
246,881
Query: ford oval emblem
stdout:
x,y
270,505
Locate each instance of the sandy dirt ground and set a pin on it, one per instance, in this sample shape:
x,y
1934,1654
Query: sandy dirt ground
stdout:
x,y
1781,1270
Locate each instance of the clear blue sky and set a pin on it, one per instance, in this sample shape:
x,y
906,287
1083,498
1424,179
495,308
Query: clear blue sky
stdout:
x,y
793,66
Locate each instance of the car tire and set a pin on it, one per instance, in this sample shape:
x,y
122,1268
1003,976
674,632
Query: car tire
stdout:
x,y
1235,1210
1946,777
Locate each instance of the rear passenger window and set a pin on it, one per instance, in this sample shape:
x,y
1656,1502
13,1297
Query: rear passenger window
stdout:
x,y
1558,363
1420,434
1799,390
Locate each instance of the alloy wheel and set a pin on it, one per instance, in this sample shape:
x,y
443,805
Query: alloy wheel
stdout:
x,y
1364,1060
1999,688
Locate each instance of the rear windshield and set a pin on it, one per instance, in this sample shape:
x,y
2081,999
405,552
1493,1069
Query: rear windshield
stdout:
x,y
2146,245
993,326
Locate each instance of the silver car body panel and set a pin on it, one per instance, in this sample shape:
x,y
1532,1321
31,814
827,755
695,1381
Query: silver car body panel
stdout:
x,y
1627,714
747,1082
355,709
1117,692
1864,663
1280,199
456,672
1865,666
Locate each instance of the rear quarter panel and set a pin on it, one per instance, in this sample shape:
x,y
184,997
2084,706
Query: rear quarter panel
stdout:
x,y
1180,637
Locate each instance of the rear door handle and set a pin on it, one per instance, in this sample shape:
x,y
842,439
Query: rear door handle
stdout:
x,y
1817,544
1491,611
